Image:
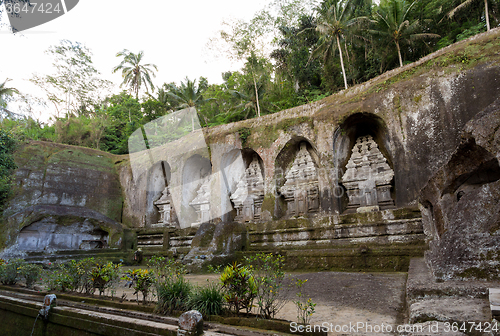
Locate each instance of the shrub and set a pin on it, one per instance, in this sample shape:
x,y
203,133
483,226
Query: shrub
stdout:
x,y
305,310
10,271
165,269
269,278
103,275
142,280
173,294
207,300
240,287
59,278
30,273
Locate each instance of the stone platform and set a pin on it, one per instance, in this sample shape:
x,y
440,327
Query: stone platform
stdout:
x,y
459,302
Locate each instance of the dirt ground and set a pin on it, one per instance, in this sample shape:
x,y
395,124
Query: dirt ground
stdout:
x,y
343,300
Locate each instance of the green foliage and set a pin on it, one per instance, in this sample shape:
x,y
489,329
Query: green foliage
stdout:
x,y
7,165
85,276
28,129
173,294
306,309
81,130
208,300
10,271
142,280
31,273
59,278
125,117
269,278
172,289
244,133
166,269
104,274
240,287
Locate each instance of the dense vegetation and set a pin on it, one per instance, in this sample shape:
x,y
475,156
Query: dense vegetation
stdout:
x,y
314,52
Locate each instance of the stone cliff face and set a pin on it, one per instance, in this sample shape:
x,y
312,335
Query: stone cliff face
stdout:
x,y
461,203
63,185
413,115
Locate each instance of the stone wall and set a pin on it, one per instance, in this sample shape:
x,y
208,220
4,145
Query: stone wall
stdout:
x,y
461,204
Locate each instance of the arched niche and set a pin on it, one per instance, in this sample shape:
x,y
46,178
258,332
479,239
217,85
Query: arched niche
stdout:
x,y
158,179
296,176
355,127
195,175
243,185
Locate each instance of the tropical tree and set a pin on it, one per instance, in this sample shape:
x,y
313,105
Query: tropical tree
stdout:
x,y
335,21
393,22
75,85
465,4
189,94
5,94
134,73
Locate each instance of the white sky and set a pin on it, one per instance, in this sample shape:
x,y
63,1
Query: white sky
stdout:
x,y
173,35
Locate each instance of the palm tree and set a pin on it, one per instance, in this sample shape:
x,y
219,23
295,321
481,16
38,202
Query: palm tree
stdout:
x,y
188,94
334,23
6,92
135,74
251,98
392,22
467,3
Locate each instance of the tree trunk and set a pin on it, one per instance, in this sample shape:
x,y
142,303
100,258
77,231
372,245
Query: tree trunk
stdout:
x,y
487,15
399,54
342,62
256,95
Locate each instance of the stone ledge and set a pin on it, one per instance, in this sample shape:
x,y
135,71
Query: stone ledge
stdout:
x,y
421,284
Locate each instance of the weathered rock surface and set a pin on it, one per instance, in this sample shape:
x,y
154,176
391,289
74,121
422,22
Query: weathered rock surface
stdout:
x,y
190,324
68,183
462,203
457,309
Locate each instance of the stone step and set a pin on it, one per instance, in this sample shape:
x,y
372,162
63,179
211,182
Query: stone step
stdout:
x,y
297,243
301,235
494,297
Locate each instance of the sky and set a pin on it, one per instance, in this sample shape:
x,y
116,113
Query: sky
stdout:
x,y
172,34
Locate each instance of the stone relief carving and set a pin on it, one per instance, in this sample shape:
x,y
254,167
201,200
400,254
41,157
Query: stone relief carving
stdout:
x,y
368,177
166,210
201,203
301,189
249,194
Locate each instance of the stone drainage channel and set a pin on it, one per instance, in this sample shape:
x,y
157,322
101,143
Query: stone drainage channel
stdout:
x,y
20,315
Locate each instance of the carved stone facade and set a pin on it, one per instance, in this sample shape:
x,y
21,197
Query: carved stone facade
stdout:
x,y
249,194
201,203
368,177
166,210
301,189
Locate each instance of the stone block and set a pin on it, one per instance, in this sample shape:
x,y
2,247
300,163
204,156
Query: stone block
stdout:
x,y
190,324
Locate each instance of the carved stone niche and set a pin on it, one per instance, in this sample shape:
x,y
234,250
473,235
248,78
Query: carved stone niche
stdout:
x,y
168,217
249,194
201,203
368,177
301,189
